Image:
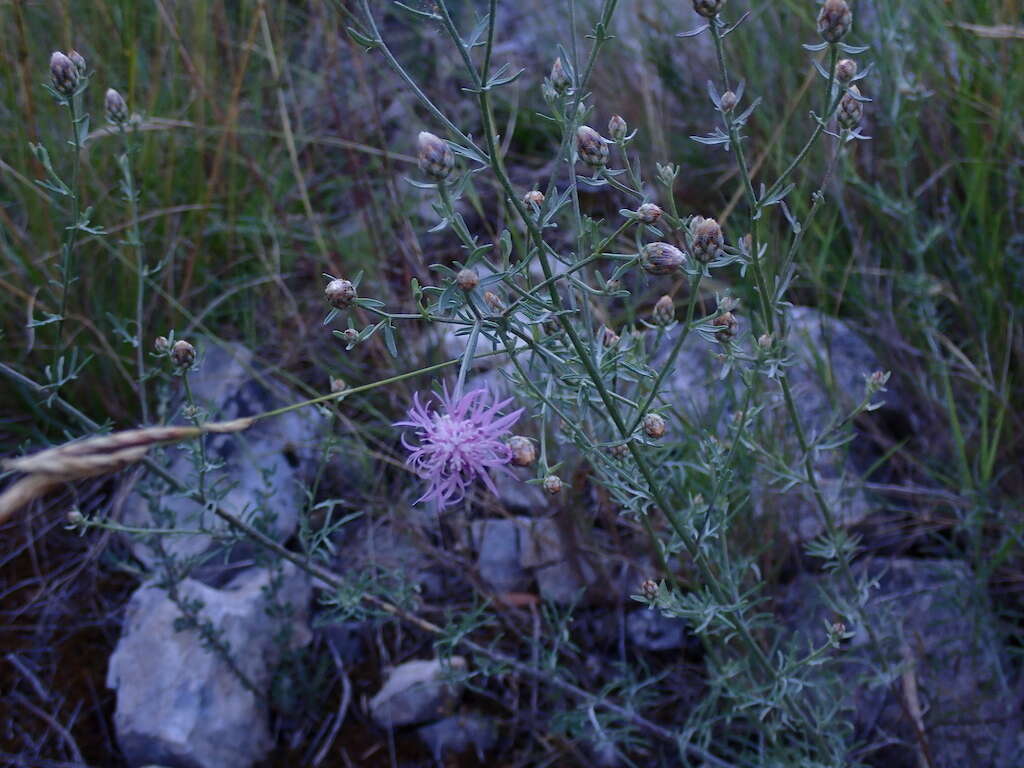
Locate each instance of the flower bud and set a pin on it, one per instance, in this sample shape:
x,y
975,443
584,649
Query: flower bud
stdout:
x,y
612,286
876,382
523,452
553,484
435,156
340,293
609,337
728,327
591,147
851,111
648,213
707,239
846,70
619,451
338,385
764,341
160,344
183,354
664,311
116,108
660,258
79,61
75,517
492,301
667,173
649,589
350,335
467,280
708,8
559,79
728,101
835,20
654,426
534,197
617,128
63,74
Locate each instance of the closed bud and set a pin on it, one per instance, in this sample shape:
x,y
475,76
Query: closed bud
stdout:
x,y
534,197
664,311
435,156
707,239
764,341
183,354
553,484
116,108
350,335
851,110
591,147
708,8
559,78
728,101
75,517
160,344
338,385
660,258
667,173
648,213
654,426
467,280
523,452
728,326
63,74
340,293
835,20
846,70
609,337
876,382
78,60
617,128
493,301
619,451
612,286
649,589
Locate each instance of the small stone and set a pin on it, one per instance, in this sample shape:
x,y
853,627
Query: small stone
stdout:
x,y
459,734
417,692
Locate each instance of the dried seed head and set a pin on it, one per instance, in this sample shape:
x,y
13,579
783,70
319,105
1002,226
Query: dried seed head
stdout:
x,y
728,101
660,258
160,344
183,354
340,293
534,197
116,108
63,74
654,426
553,484
617,128
619,451
338,385
707,239
851,111
559,78
467,280
708,8
492,301
728,327
649,589
78,60
435,156
846,70
664,311
835,20
648,213
591,147
523,452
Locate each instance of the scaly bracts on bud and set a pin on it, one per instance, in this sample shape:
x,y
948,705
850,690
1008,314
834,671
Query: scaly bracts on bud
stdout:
x,y
534,197
617,128
728,101
559,78
524,454
708,8
660,258
591,148
649,589
63,74
183,354
728,327
648,213
79,61
707,239
664,311
493,301
340,293
846,70
851,110
467,280
161,345
115,107
553,484
834,21
654,426
435,156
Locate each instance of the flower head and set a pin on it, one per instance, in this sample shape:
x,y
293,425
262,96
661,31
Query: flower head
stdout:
x,y
457,442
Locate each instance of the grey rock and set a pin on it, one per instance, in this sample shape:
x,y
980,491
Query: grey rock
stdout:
x,y
179,703
417,692
940,635
650,630
459,734
498,547
263,467
563,573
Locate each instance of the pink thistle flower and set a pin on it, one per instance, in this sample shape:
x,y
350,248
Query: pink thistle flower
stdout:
x,y
457,443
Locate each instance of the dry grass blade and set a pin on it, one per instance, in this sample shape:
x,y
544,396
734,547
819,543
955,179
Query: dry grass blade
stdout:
x,y
93,456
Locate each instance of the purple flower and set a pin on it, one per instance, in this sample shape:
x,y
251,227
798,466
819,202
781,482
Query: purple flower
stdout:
x,y
458,442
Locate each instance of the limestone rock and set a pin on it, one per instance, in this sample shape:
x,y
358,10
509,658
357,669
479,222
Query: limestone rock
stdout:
x,y
417,692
